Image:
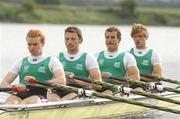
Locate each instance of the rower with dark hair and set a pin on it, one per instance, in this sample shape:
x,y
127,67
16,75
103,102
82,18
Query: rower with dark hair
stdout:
x,y
76,62
113,62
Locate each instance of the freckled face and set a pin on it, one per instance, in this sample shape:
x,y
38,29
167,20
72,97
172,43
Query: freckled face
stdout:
x,y
35,45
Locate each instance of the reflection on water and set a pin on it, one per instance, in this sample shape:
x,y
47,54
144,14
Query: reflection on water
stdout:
x,y
147,115
152,114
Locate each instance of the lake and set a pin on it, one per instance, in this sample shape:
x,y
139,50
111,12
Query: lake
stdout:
x,y
165,40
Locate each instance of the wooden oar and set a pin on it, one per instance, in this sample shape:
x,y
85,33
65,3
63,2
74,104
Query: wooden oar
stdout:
x,y
13,89
161,79
94,93
5,89
127,90
153,86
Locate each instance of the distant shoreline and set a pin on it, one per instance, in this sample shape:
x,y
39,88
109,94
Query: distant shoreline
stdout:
x,y
10,13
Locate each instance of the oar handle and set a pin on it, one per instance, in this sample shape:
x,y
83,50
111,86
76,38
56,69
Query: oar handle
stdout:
x,y
33,81
5,89
13,89
129,81
82,79
150,76
118,79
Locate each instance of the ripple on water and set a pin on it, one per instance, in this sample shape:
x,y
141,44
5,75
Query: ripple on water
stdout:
x,y
153,114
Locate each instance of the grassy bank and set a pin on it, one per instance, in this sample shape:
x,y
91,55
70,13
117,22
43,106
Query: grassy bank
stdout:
x,y
88,15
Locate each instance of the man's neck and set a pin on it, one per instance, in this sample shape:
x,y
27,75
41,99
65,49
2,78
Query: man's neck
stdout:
x,y
73,52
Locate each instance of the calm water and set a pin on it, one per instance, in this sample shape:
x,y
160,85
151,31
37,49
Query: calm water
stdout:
x,y
165,40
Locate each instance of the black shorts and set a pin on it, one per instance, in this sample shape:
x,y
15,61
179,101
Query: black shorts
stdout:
x,y
60,92
75,85
38,91
103,89
133,86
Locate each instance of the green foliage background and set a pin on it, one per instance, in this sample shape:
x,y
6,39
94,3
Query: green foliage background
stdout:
x,y
127,12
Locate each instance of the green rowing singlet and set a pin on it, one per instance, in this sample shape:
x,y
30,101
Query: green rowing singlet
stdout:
x,y
114,66
40,70
78,67
144,62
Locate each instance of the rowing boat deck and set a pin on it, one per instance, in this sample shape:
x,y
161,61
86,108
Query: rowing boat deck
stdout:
x,y
75,112
78,109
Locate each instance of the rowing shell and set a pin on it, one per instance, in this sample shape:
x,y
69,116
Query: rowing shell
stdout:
x,y
80,108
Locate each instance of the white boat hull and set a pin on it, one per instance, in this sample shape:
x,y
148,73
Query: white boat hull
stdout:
x,y
78,109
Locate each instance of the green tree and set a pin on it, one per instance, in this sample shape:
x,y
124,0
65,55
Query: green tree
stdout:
x,y
128,8
29,6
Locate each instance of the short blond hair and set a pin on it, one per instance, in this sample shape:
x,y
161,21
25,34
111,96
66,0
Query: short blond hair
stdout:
x,y
114,29
74,29
137,28
33,33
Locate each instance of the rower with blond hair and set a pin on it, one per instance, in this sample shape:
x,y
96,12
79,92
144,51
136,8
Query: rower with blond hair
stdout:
x,y
148,60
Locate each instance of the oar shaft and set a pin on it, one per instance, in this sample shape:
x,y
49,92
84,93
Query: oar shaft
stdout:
x,y
171,90
113,87
82,79
155,97
130,81
136,103
135,82
150,76
13,89
5,89
161,79
171,81
76,90
109,86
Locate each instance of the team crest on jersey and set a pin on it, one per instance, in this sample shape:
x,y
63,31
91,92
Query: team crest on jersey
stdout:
x,y
26,67
117,64
145,62
42,69
79,67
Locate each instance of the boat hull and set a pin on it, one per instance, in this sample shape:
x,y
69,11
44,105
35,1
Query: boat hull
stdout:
x,y
90,109
95,111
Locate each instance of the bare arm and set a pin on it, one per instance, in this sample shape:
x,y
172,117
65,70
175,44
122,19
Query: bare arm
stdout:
x,y
8,79
58,72
59,77
156,71
72,81
133,73
95,74
131,67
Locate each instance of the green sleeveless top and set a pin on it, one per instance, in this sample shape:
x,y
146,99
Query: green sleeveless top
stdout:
x,y
78,67
144,62
114,66
40,70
